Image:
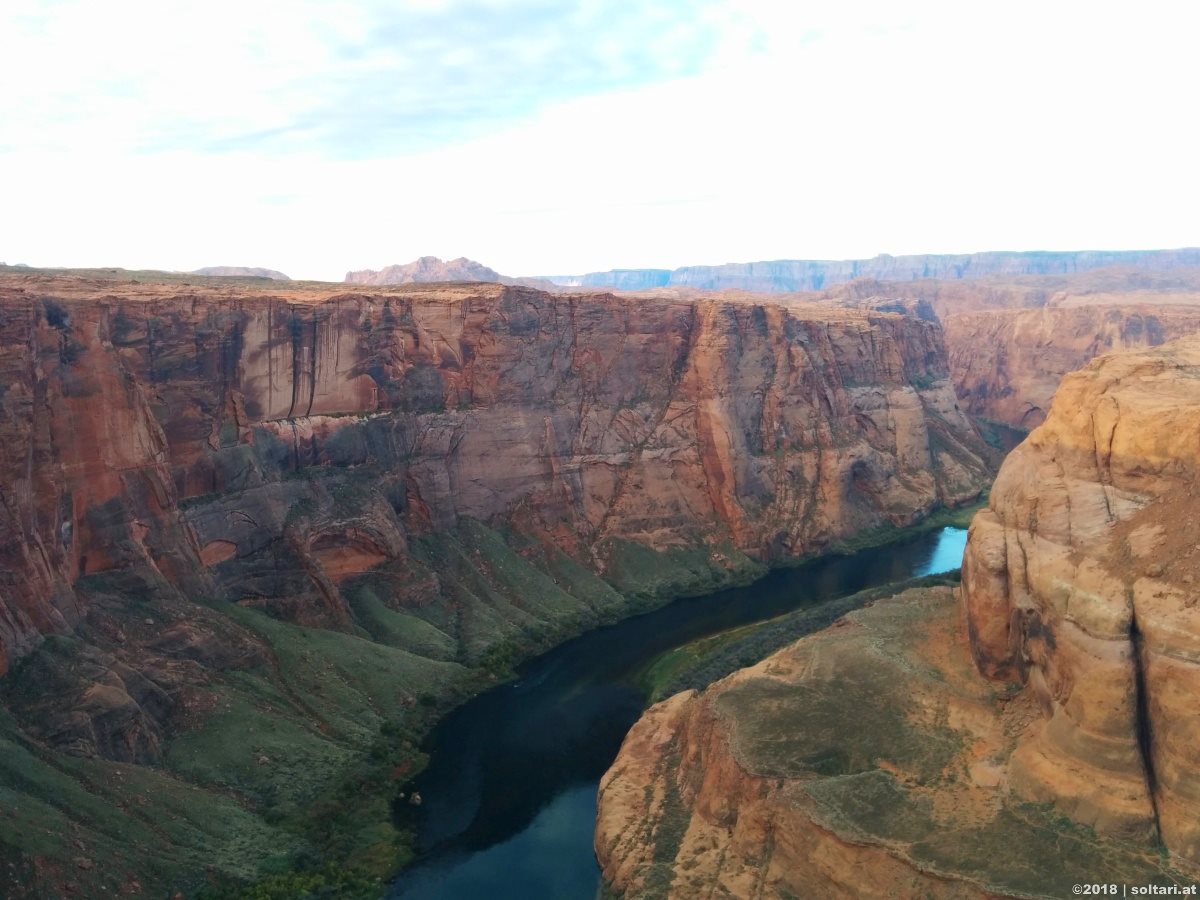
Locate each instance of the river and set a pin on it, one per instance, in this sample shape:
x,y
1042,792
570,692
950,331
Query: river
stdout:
x,y
509,798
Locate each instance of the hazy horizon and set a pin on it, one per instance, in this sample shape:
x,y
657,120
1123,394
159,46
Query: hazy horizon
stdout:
x,y
563,138
616,268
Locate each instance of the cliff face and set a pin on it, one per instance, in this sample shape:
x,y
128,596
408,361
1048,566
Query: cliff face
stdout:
x,y
1079,583
595,422
815,275
1007,364
1012,339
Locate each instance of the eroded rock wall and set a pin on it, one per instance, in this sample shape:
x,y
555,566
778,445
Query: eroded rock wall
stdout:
x,y
183,432
1007,364
1079,583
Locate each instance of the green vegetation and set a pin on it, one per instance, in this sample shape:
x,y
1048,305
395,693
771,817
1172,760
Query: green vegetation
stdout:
x,y
116,819
328,883
700,663
1025,850
281,783
999,435
647,574
281,780
668,831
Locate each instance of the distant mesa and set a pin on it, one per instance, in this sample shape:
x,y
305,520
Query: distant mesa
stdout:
x,y
619,279
429,269
785,275
241,272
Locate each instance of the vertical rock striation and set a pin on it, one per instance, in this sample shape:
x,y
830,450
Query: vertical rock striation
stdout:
x,y
1006,364
167,430
1079,582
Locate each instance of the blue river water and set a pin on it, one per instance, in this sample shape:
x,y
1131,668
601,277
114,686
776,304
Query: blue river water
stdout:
x,y
509,797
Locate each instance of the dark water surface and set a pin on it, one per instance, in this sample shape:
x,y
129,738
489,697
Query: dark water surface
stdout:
x,y
509,798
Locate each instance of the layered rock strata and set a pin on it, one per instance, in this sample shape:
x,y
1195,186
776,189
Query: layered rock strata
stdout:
x,y
815,275
1079,583
430,269
1007,364
167,431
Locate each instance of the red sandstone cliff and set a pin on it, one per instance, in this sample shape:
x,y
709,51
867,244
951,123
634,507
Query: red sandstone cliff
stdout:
x,y
1079,582
1007,364
866,760
1011,340
590,421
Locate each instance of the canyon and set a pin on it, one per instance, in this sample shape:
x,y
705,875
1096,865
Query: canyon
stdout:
x,y
254,536
1011,340
1008,360
1015,323
1028,732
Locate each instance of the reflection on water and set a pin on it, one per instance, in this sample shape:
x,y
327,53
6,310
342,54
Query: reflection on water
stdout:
x,y
947,552
541,860
509,798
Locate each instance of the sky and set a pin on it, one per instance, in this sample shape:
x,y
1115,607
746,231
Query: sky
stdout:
x,y
545,138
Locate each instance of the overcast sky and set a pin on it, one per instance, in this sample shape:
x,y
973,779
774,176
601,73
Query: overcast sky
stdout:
x,y
544,137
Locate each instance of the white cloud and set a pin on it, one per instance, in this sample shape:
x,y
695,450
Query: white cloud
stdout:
x,y
813,130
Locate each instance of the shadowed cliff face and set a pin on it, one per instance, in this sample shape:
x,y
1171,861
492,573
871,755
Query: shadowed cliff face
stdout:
x,y
1079,582
1012,339
1007,364
596,424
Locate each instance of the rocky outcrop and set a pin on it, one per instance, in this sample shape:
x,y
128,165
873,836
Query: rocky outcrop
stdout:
x,y
866,760
1079,584
815,275
1007,364
426,269
430,269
